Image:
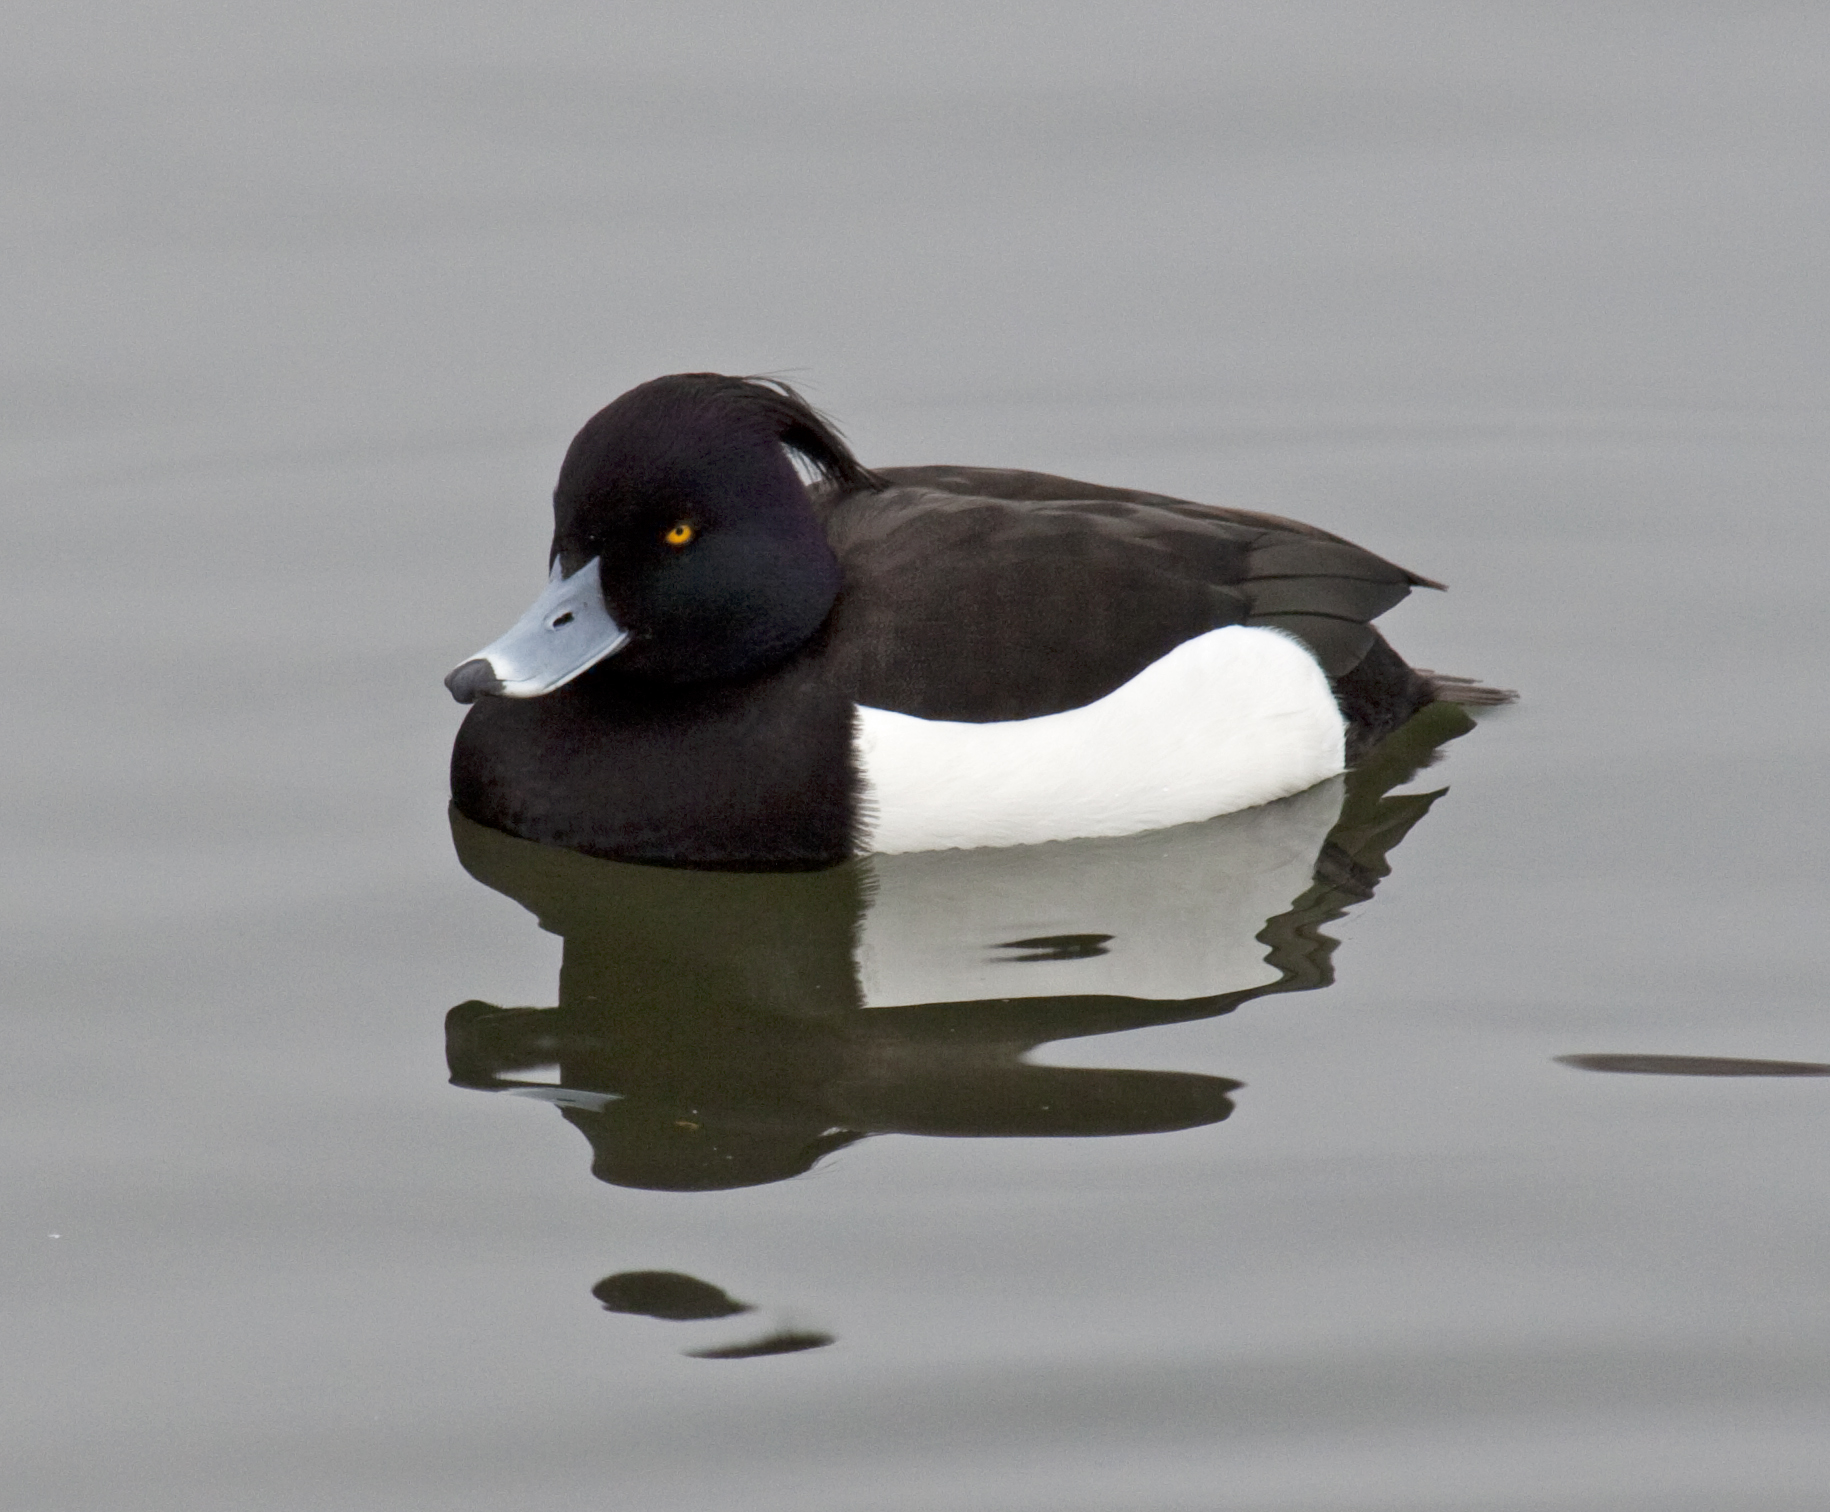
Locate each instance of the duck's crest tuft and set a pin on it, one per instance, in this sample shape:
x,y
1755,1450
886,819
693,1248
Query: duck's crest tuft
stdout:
x,y
791,420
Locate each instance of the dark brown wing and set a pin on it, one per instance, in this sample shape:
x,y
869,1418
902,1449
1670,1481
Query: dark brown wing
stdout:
x,y
985,594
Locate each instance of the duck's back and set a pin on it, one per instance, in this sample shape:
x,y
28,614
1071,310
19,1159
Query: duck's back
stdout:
x,y
982,594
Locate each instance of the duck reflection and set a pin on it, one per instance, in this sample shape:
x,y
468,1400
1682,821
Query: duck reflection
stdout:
x,y
718,1030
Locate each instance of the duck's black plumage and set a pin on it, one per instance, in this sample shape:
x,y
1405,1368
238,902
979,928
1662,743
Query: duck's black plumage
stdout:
x,y
1054,592
738,773
721,735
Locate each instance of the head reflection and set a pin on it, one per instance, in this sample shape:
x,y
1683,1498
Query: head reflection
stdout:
x,y
718,1030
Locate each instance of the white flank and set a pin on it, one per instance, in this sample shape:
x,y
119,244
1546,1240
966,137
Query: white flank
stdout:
x,y
1231,719
1174,914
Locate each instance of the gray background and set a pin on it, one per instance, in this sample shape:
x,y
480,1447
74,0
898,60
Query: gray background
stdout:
x,y
301,310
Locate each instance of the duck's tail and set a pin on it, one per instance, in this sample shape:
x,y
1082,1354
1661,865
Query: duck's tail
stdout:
x,y
1444,688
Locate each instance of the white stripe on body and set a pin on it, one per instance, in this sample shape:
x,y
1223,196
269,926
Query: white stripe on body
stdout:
x,y
1231,719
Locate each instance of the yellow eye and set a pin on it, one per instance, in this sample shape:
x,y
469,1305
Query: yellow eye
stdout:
x,y
680,534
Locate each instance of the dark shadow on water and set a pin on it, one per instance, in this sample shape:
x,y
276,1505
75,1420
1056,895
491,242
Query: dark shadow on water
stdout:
x,y
788,1341
1691,1065
720,1030
666,1294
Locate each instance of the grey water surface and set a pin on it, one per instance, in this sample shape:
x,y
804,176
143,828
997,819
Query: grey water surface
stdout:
x,y
774,1197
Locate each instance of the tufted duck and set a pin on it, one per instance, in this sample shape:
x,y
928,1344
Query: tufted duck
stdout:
x,y
732,667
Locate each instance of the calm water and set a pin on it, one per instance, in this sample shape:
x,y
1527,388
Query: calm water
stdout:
x,y
1203,1213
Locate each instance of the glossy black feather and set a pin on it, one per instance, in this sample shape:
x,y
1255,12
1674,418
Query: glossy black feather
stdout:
x,y
983,594
750,773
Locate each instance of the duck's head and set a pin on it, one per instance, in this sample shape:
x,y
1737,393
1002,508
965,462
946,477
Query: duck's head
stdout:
x,y
685,544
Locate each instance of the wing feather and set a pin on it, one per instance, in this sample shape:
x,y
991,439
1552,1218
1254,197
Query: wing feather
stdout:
x,y
985,594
